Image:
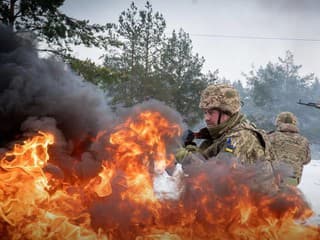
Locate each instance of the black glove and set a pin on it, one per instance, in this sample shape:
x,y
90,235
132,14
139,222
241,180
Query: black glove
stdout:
x,y
203,134
187,138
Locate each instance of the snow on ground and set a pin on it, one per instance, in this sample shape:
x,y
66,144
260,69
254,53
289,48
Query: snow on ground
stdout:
x,y
310,184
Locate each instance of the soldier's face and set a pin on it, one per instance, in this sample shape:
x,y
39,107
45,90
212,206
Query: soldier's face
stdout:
x,y
211,116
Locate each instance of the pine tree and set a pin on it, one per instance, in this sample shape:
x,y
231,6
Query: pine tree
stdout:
x,y
49,25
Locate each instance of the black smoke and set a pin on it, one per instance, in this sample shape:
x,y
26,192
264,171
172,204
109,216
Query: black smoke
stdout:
x,y
43,94
33,86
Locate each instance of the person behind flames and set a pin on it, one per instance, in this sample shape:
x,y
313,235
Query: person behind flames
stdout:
x,y
228,131
290,146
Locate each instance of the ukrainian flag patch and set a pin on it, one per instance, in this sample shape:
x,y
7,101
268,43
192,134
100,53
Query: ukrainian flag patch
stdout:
x,y
229,147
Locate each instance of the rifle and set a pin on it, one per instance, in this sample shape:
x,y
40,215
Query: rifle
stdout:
x,y
310,104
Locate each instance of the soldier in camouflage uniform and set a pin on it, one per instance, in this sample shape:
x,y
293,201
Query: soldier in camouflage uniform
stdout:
x,y
228,131
290,147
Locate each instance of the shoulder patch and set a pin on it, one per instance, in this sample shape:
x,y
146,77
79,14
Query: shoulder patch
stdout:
x,y
229,146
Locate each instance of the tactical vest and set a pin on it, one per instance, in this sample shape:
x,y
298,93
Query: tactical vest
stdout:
x,y
292,149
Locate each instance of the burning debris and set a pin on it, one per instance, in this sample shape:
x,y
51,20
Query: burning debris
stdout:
x,y
67,171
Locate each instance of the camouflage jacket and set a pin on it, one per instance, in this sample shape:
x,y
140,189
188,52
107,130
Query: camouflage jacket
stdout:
x,y
249,145
238,138
291,148
242,139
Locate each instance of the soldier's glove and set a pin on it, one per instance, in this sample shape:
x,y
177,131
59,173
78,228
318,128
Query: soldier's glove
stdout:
x,y
182,153
203,134
188,137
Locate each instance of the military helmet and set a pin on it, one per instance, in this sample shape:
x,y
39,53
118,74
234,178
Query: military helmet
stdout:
x,y
220,96
286,117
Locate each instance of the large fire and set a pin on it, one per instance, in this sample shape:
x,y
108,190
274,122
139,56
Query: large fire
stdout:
x,y
121,201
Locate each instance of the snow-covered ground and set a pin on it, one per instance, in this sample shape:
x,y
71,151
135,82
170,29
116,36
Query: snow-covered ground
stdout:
x,y
310,184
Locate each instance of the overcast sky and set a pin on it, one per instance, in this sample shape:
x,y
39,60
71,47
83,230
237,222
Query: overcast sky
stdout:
x,y
239,33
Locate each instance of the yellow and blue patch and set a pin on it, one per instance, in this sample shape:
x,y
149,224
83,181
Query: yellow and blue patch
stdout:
x,y
229,147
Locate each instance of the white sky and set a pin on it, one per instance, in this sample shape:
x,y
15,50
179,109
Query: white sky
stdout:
x,y
295,19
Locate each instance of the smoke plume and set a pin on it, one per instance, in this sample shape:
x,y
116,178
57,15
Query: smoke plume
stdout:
x,y
32,86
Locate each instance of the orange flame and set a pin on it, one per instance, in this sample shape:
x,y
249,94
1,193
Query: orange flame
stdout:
x,y
120,202
137,145
27,209
101,184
